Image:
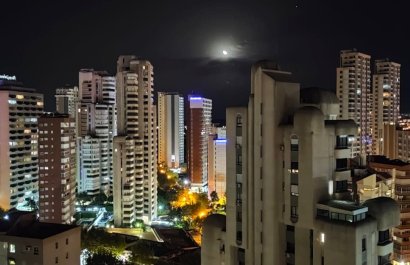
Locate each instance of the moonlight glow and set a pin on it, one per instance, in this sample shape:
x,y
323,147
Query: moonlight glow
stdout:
x,y
224,52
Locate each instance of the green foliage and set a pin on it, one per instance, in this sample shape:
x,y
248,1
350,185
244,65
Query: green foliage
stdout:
x,y
98,240
139,224
103,257
100,199
142,253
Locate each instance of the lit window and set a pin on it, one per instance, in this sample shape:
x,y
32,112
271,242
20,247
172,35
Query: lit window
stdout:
x,y
322,237
12,248
20,97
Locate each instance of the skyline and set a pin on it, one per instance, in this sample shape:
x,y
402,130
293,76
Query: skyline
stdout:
x,y
47,43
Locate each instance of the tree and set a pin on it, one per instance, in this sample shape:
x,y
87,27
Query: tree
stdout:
x,y
214,196
100,199
97,239
103,257
142,253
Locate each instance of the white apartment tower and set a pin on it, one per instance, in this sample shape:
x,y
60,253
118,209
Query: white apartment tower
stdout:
x,y
19,110
353,91
135,147
288,200
199,128
217,161
67,100
170,129
96,127
386,100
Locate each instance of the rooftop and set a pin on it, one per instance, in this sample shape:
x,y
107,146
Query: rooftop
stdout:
x,y
349,206
384,160
25,224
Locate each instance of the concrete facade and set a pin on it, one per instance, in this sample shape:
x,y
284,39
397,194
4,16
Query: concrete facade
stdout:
x,y
171,133
288,174
354,93
386,101
96,127
217,161
67,100
135,148
29,242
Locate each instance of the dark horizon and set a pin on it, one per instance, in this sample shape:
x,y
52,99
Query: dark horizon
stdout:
x,y
46,43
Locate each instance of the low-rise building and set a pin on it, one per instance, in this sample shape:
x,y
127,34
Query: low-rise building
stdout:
x,y
26,241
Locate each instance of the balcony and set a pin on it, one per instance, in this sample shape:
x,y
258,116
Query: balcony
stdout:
x,y
342,175
342,153
385,248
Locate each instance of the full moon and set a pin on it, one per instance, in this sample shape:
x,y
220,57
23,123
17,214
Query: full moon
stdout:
x,y
224,52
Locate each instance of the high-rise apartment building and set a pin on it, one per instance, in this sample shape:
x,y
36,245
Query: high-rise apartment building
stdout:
x,y
353,91
199,127
67,100
135,148
96,127
57,168
288,174
19,110
217,161
386,100
396,139
171,129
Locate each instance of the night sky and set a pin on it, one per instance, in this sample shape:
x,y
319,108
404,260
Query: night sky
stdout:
x,y
45,43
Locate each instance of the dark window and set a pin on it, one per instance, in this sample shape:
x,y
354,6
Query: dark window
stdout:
x,y
341,186
363,244
384,236
341,142
341,164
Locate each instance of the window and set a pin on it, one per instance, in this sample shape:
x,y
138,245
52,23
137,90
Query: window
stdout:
x,y
35,250
56,260
56,245
12,248
363,244
66,241
66,255
12,261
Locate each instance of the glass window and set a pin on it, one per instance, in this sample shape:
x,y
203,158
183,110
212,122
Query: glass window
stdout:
x,y
12,248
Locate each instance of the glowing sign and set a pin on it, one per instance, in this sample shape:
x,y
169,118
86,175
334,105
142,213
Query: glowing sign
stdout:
x,y
8,77
195,98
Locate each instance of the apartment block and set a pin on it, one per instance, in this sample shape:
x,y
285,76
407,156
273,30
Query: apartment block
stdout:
x,y
171,133
96,127
67,100
57,168
289,199
386,100
354,94
135,147
20,108
199,128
